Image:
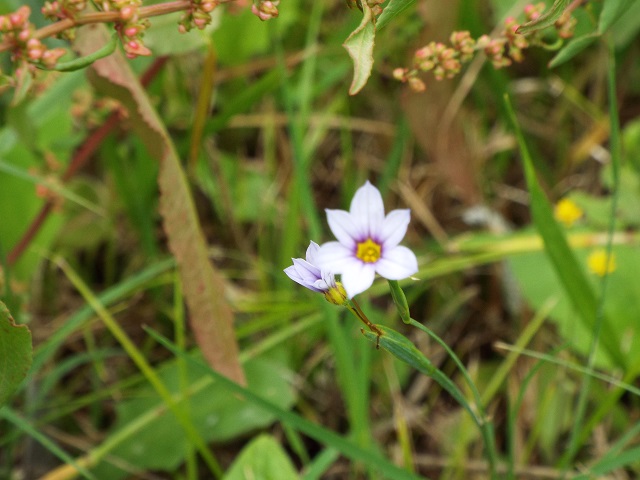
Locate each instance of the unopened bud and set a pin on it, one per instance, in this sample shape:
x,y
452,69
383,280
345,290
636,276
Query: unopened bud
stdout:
x,y
127,13
336,295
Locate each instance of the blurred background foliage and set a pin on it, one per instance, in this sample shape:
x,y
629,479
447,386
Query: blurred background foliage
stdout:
x,y
261,118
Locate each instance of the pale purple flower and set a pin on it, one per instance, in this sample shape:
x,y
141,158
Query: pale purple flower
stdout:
x,y
368,242
307,274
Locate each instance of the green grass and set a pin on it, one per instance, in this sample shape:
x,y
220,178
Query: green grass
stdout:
x,y
513,359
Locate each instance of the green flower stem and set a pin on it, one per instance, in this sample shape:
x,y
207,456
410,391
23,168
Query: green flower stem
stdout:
x,y
484,423
142,364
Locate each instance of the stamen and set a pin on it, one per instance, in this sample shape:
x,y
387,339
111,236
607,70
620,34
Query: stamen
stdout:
x,y
368,251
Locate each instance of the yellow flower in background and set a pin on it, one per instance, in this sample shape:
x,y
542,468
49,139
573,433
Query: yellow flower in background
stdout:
x,y
599,263
567,212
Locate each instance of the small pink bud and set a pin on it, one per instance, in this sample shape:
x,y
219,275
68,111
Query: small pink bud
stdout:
x,y
15,19
423,52
207,6
24,35
131,31
133,45
399,74
127,13
417,85
200,23
33,43
182,28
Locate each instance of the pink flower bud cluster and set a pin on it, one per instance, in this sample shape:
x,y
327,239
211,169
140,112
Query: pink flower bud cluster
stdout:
x,y
17,32
130,28
61,9
502,51
437,57
265,9
198,16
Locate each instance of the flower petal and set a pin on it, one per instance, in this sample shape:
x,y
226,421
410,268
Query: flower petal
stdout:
x,y
333,256
397,263
342,225
294,274
367,212
312,253
394,227
307,272
357,277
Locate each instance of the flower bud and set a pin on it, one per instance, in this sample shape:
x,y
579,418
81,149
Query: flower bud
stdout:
x,y
336,295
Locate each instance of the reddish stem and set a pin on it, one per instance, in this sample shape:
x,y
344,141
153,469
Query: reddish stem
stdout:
x,y
80,158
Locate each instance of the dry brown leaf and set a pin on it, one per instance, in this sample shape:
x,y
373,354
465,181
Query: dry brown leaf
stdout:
x,y
210,315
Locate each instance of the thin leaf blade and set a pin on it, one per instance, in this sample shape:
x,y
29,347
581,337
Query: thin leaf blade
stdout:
x,y
545,20
392,10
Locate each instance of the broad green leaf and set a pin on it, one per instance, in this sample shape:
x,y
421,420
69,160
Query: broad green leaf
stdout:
x,y
545,20
345,446
263,459
566,267
572,48
165,39
217,414
15,353
360,47
210,317
612,10
391,10
538,283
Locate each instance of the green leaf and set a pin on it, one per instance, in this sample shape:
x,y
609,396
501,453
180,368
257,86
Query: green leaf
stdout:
x,y
401,347
572,48
612,10
15,353
360,47
262,459
545,20
218,415
564,262
345,446
393,9
211,317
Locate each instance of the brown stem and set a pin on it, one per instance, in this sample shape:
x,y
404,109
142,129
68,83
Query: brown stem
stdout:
x,y
107,17
80,158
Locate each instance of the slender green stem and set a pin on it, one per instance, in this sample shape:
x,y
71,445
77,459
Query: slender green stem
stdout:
x,y
485,425
179,332
581,407
139,359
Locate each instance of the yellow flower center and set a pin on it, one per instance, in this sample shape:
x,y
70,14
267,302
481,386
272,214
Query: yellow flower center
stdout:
x,y
368,251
